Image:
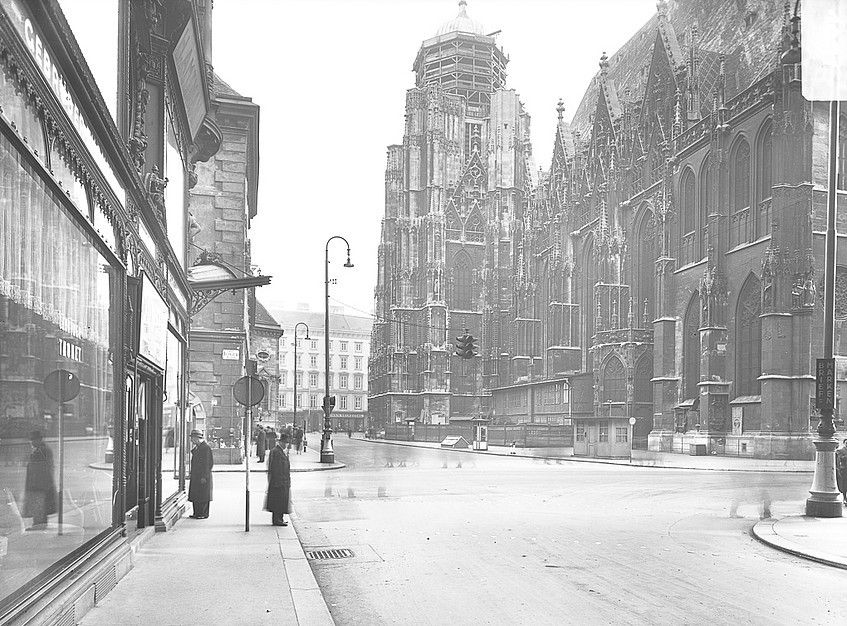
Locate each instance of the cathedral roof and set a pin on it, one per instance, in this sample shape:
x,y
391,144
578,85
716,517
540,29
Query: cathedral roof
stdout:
x,y
748,34
461,23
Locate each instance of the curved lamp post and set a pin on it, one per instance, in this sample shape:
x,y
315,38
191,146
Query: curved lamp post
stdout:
x,y
296,326
327,453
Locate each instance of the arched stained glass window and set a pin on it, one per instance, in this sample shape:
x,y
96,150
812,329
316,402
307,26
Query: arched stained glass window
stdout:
x,y
705,207
688,209
646,252
691,348
741,176
748,339
614,381
765,163
462,282
643,379
587,298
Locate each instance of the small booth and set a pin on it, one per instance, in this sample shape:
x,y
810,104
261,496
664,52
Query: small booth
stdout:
x,y
480,433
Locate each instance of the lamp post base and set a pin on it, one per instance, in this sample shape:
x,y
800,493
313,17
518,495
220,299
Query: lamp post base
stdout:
x,y
327,453
825,501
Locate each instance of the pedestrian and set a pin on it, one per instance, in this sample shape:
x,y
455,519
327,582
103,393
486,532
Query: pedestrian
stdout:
x,y
200,487
279,482
841,470
270,439
349,433
512,447
39,486
298,439
260,444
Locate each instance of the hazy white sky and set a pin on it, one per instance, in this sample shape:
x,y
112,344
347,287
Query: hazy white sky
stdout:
x,y
331,78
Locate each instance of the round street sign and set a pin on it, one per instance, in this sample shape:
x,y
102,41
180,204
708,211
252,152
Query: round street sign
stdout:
x,y
248,387
61,385
632,421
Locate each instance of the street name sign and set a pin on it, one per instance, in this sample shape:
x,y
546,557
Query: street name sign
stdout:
x,y
825,384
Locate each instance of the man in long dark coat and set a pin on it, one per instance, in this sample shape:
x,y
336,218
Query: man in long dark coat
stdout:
x,y
260,444
270,439
279,482
40,486
200,487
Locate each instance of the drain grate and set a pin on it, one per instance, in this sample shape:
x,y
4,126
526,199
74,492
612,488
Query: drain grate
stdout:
x,y
332,553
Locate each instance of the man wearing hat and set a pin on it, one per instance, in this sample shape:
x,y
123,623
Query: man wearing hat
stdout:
x,y
200,487
279,482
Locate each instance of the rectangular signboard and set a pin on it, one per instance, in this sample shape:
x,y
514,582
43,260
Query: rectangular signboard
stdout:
x,y
825,384
153,330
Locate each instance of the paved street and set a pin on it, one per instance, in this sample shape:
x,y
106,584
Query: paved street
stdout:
x,y
505,540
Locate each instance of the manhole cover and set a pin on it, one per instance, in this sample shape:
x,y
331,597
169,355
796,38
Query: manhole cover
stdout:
x,y
331,553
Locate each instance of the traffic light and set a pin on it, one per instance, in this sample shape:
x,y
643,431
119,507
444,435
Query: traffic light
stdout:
x,y
466,346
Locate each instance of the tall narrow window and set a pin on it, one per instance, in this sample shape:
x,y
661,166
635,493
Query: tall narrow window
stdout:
x,y
691,347
705,208
462,282
764,181
740,226
645,269
688,218
614,381
643,379
748,339
588,312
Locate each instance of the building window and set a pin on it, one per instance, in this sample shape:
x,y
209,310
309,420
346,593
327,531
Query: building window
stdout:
x,y
314,344
580,432
748,339
688,226
283,379
703,227
343,346
357,403
358,362
313,401
282,397
331,379
604,433
646,269
299,399
842,153
357,381
299,379
691,348
313,360
343,401
313,379
614,381
463,288
764,186
342,381
299,360
740,224
621,434
343,360
358,346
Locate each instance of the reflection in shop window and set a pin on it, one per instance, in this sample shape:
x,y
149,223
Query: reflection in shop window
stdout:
x,y
22,115
172,417
55,313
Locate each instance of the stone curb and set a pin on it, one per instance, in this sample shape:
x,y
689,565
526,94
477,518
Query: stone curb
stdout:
x,y
309,603
765,532
623,463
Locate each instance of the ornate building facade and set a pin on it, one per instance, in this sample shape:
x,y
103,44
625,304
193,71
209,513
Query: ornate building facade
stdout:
x,y
454,189
665,271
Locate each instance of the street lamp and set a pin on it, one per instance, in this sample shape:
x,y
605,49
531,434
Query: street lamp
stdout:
x,y
327,453
296,326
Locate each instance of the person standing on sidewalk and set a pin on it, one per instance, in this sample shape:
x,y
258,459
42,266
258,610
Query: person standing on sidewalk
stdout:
x,y
260,444
841,469
298,439
40,486
279,482
200,487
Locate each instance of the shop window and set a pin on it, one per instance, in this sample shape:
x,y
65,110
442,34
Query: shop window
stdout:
x,y
580,432
621,435
173,419
604,433
58,310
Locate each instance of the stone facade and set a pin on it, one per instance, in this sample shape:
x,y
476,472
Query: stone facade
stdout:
x,y
223,201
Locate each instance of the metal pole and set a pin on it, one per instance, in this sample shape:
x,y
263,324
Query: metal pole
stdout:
x,y
295,373
327,453
248,417
824,494
61,508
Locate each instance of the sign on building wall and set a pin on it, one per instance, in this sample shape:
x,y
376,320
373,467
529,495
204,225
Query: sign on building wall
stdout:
x,y
230,355
190,77
153,330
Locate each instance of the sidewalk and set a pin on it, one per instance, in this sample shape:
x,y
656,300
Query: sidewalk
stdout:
x,y
213,572
642,458
309,461
815,538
